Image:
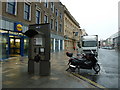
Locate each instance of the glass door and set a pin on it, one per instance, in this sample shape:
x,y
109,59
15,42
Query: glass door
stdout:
x,y
14,46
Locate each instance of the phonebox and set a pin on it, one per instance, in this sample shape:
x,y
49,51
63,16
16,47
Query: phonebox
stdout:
x,y
39,48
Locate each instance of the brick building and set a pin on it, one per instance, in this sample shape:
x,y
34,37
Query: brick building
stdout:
x,y
15,19
72,30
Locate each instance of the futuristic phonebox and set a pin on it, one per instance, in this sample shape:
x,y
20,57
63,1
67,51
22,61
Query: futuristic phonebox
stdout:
x,y
39,48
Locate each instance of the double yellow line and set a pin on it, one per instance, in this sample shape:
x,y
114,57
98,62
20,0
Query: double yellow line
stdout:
x,y
87,80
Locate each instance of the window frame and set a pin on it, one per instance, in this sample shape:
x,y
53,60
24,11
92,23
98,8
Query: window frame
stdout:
x,y
38,18
52,24
52,6
45,17
14,7
29,15
46,3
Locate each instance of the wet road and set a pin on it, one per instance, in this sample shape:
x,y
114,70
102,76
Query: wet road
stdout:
x,y
108,76
14,73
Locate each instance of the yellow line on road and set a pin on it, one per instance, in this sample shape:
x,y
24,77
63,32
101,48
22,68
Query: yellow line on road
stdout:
x,y
88,80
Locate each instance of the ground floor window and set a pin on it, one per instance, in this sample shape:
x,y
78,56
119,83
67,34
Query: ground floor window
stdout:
x,y
13,44
52,44
56,45
61,44
4,46
26,45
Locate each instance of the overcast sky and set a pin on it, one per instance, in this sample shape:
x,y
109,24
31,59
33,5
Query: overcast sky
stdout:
x,y
95,16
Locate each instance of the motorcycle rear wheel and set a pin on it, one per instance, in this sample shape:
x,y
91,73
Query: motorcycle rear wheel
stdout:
x,y
96,68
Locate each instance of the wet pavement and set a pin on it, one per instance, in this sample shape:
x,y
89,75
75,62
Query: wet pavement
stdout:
x,y
15,75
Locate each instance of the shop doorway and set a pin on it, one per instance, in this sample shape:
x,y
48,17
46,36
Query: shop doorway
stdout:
x,y
15,46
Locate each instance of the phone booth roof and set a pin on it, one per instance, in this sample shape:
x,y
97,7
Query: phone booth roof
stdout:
x,y
31,33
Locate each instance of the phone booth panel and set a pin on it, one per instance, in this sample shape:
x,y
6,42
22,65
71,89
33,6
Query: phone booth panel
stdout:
x,y
39,48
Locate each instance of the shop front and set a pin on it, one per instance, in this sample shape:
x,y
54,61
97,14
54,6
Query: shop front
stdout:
x,y
57,43
13,43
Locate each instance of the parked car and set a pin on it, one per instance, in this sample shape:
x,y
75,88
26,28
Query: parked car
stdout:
x,y
107,47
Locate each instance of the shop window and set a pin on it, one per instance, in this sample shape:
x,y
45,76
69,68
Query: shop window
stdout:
x,y
25,28
11,26
26,45
4,46
3,24
0,24
61,44
7,25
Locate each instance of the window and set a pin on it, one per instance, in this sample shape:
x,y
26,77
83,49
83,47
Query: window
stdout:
x,y
27,11
60,27
51,24
0,23
52,7
60,15
38,0
3,24
46,3
37,17
8,25
89,43
45,19
25,28
56,25
56,12
11,7
11,26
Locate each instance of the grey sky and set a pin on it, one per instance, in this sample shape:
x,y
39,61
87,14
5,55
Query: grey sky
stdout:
x,y
95,16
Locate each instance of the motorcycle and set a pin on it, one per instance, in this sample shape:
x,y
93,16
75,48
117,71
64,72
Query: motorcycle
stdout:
x,y
83,61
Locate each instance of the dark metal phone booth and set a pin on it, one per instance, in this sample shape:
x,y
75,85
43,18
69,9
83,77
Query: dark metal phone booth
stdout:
x,y
39,48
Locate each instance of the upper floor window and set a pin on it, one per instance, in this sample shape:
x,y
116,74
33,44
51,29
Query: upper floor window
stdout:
x,y
56,25
38,0
45,19
51,24
37,17
46,3
60,15
60,27
11,7
56,12
27,11
52,6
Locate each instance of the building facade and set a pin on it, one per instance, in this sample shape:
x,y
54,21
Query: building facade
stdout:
x,y
113,41
72,30
15,19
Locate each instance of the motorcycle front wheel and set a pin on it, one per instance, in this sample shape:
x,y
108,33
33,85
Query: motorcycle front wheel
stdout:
x,y
96,68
